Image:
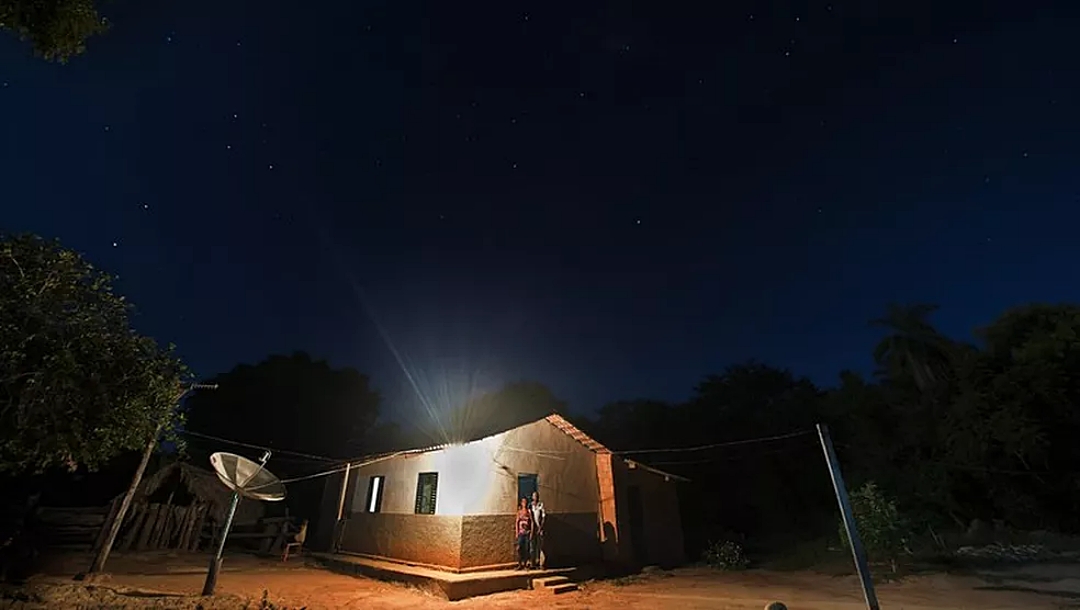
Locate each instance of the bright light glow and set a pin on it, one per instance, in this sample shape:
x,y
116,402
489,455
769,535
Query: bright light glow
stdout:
x,y
468,481
376,489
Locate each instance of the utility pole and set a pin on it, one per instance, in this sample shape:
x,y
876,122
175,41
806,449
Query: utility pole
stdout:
x,y
861,565
118,519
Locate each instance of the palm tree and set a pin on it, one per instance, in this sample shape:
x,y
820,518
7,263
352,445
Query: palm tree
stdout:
x,y
913,348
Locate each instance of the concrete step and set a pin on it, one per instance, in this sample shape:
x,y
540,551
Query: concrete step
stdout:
x,y
565,587
548,581
554,584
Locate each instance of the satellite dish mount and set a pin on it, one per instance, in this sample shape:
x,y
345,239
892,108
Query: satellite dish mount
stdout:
x,y
246,478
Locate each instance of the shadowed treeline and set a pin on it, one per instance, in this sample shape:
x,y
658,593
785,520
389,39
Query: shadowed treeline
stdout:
x,y
954,431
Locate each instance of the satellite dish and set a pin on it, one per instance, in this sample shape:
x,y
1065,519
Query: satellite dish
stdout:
x,y
246,477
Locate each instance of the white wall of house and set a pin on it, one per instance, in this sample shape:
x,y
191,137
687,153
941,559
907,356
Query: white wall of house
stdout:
x,y
480,478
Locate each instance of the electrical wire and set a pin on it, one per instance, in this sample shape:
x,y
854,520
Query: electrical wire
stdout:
x,y
309,456
717,445
726,458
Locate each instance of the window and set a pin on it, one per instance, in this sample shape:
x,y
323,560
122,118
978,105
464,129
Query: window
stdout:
x,y
427,486
375,494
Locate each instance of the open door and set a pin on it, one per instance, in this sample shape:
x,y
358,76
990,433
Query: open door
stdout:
x,y
527,484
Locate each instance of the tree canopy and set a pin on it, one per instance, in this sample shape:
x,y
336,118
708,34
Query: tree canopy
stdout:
x,y
512,405
57,29
78,386
290,402
955,431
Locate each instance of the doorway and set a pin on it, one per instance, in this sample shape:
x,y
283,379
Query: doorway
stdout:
x,y
637,525
527,484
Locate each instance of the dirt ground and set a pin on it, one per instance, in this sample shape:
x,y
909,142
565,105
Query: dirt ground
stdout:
x,y
171,581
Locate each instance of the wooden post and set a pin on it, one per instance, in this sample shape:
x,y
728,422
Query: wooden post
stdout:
x,y
185,528
861,565
138,515
106,526
153,511
114,527
200,523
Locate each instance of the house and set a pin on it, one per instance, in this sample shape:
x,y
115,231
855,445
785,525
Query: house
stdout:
x,y
452,507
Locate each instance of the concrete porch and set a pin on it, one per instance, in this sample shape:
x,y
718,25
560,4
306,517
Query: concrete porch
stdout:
x,y
451,585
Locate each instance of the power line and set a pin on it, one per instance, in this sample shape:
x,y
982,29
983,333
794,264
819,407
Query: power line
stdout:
x,y
320,458
717,445
725,458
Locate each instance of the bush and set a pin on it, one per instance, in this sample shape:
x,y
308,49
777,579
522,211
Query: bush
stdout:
x,y
726,555
884,531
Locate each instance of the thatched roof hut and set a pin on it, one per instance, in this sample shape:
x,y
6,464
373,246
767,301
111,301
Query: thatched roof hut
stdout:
x,y
182,484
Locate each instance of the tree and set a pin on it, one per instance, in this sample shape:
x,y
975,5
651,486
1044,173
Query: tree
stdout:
x,y
1017,413
57,29
514,404
635,424
292,402
77,385
913,348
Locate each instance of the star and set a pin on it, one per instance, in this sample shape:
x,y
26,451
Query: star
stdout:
x,y
1025,154
237,43
798,19
235,116
271,166
168,39
145,206
819,210
954,41
637,221
115,244
228,147
107,128
526,16
5,84
751,16
513,165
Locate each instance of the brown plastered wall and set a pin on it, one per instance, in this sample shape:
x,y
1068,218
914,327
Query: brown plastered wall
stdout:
x,y
566,471
660,507
429,539
569,540
608,530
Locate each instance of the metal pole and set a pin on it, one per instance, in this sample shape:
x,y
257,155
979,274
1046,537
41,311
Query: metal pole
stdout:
x,y
215,561
341,508
861,565
344,490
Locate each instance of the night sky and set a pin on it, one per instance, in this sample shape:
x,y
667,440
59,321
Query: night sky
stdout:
x,y
611,199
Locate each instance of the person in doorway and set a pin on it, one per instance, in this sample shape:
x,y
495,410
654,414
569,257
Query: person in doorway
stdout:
x,y
522,529
536,540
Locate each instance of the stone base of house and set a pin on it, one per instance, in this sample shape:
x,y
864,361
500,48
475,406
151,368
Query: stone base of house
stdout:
x,y
450,585
467,543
